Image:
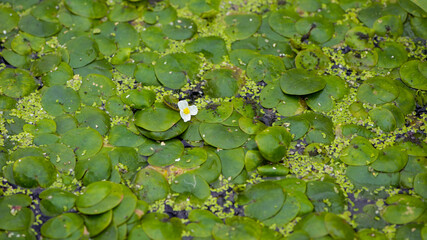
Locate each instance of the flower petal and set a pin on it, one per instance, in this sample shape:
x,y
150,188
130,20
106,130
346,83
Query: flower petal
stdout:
x,y
185,117
193,109
182,104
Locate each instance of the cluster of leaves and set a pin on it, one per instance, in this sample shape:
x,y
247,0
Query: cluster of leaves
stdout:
x,y
107,144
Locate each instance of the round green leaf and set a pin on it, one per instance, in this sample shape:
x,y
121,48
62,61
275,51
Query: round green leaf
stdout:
x,y
363,176
16,83
202,222
174,69
338,228
123,13
15,220
265,67
8,19
221,83
287,213
166,153
56,201
420,184
213,48
61,156
232,162
241,26
191,158
150,185
402,209
391,159
301,82
82,51
62,226
87,8
359,153
311,59
138,98
412,76
33,171
38,27
211,168
85,142
114,197
120,136
180,29
95,87
225,137
159,226
283,22
263,200
273,143
92,169
94,118
391,55
377,90
191,183
318,29
97,223
383,118
215,113
159,117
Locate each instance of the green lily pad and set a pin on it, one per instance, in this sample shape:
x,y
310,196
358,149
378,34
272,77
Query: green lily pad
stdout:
x,y
241,26
138,98
95,87
301,82
64,123
115,107
402,209
19,219
363,176
241,57
251,126
313,224
362,60
180,29
366,234
126,208
311,59
87,8
111,199
318,29
202,222
265,67
120,136
62,226
56,201
237,228
213,48
232,162
283,22
191,158
150,185
82,51
211,168
154,38
176,130
391,159
215,113
16,83
287,213
420,184
73,21
412,76
174,69
391,55
101,67
262,200
273,143
159,226
225,137
359,153
92,169
221,83
59,99
166,153
8,19
123,13
383,118
33,171
159,118
338,228
94,118
319,191
414,166
59,75
276,170
389,25
7,103
45,64
191,183
61,156
85,142
97,223
38,27
377,90
360,38
162,14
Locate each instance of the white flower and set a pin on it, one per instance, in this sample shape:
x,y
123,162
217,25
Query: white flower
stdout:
x,y
186,111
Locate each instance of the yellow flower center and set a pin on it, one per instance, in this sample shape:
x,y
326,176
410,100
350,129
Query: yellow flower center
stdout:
x,y
186,111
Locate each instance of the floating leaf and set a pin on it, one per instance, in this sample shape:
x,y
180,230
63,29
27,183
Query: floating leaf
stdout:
x,y
265,67
359,153
273,143
191,183
166,153
301,82
221,136
180,29
174,69
82,51
87,8
85,142
150,185
377,90
30,172
241,26
16,83
232,162
402,209
213,48
62,226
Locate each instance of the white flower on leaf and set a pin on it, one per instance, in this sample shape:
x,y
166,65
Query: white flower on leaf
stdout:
x,y
186,111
